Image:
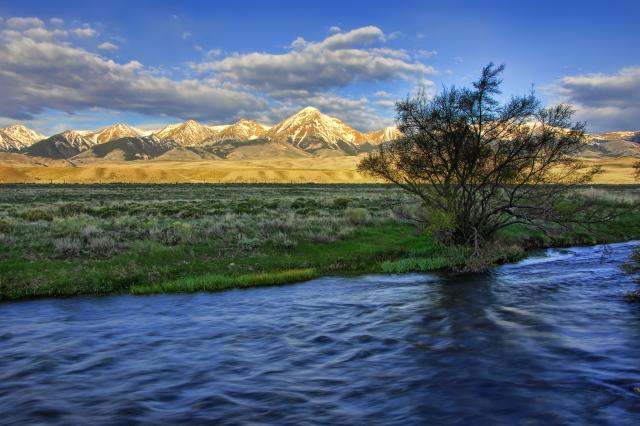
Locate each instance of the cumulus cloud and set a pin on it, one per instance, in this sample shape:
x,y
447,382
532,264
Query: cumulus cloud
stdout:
x,y
85,32
336,61
108,46
606,101
20,23
56,21
42,73
37,74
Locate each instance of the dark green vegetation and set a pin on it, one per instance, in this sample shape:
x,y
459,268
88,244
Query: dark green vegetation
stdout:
x,y
83,239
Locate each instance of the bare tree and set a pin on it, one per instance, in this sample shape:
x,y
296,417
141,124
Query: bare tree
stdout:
x,y
480,165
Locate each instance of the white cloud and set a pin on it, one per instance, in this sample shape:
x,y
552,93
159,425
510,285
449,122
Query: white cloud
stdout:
x,y
41,74
43,34
394,35
336,61
335,29
84,32
606,101
426,53
108,46
56,21
185,35
386,103
38,75
18,22
214,52
382,94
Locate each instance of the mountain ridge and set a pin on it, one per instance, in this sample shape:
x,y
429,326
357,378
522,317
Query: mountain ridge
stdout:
x,y
307,132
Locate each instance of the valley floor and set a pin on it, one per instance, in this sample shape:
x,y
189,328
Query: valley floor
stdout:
x,y
16,168
63,240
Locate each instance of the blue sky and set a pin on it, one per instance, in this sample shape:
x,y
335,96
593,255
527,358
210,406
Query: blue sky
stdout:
x,y
92,63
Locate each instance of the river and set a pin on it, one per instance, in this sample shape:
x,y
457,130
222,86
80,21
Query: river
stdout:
x,y
549,340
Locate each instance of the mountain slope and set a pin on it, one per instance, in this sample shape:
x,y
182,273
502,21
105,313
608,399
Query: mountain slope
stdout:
x,y
16,137
625,136
8,144
126,149
60,146
188,133
608,146
243,130
117,131
383,135
312,131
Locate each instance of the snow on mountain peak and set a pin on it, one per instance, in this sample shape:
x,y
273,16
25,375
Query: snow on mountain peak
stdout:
x,y
310,123
117,131
383,135
241,130
186,134
17,136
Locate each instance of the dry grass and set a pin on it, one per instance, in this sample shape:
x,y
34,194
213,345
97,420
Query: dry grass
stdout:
x,y
283,170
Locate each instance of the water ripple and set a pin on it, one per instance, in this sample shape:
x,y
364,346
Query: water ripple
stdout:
x,y
546,341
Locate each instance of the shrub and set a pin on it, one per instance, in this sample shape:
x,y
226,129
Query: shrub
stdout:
x,y
101,244
72,225
281,239
71,209
35,214
173,233
6,225
357,216
68,246
282,224
90,230
245,242
340,203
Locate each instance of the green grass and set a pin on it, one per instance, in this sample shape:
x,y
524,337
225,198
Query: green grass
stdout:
x,y
216,282
121,239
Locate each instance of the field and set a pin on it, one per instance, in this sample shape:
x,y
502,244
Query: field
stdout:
x,y
21,169
103,239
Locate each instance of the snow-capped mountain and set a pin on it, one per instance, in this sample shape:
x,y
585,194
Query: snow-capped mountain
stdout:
x,y
383,135
306,133
60,146
242,130
311,130
186,134
110,133
17,137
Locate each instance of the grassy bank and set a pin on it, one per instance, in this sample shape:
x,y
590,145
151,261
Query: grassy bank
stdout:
x,y
140,239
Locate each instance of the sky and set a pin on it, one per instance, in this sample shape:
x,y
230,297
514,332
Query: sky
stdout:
x,y
89,64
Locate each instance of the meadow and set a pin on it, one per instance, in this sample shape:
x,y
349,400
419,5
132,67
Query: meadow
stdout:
x,y
63,240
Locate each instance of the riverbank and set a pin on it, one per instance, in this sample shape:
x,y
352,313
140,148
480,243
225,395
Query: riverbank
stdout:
x,y
114,239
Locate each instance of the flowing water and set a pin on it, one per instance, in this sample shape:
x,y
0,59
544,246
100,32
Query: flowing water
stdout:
x,y
549,340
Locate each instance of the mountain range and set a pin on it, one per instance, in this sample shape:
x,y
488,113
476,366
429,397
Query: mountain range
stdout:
x,y
308,133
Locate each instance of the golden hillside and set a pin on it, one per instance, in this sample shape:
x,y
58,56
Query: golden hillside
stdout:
x,y
16,169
